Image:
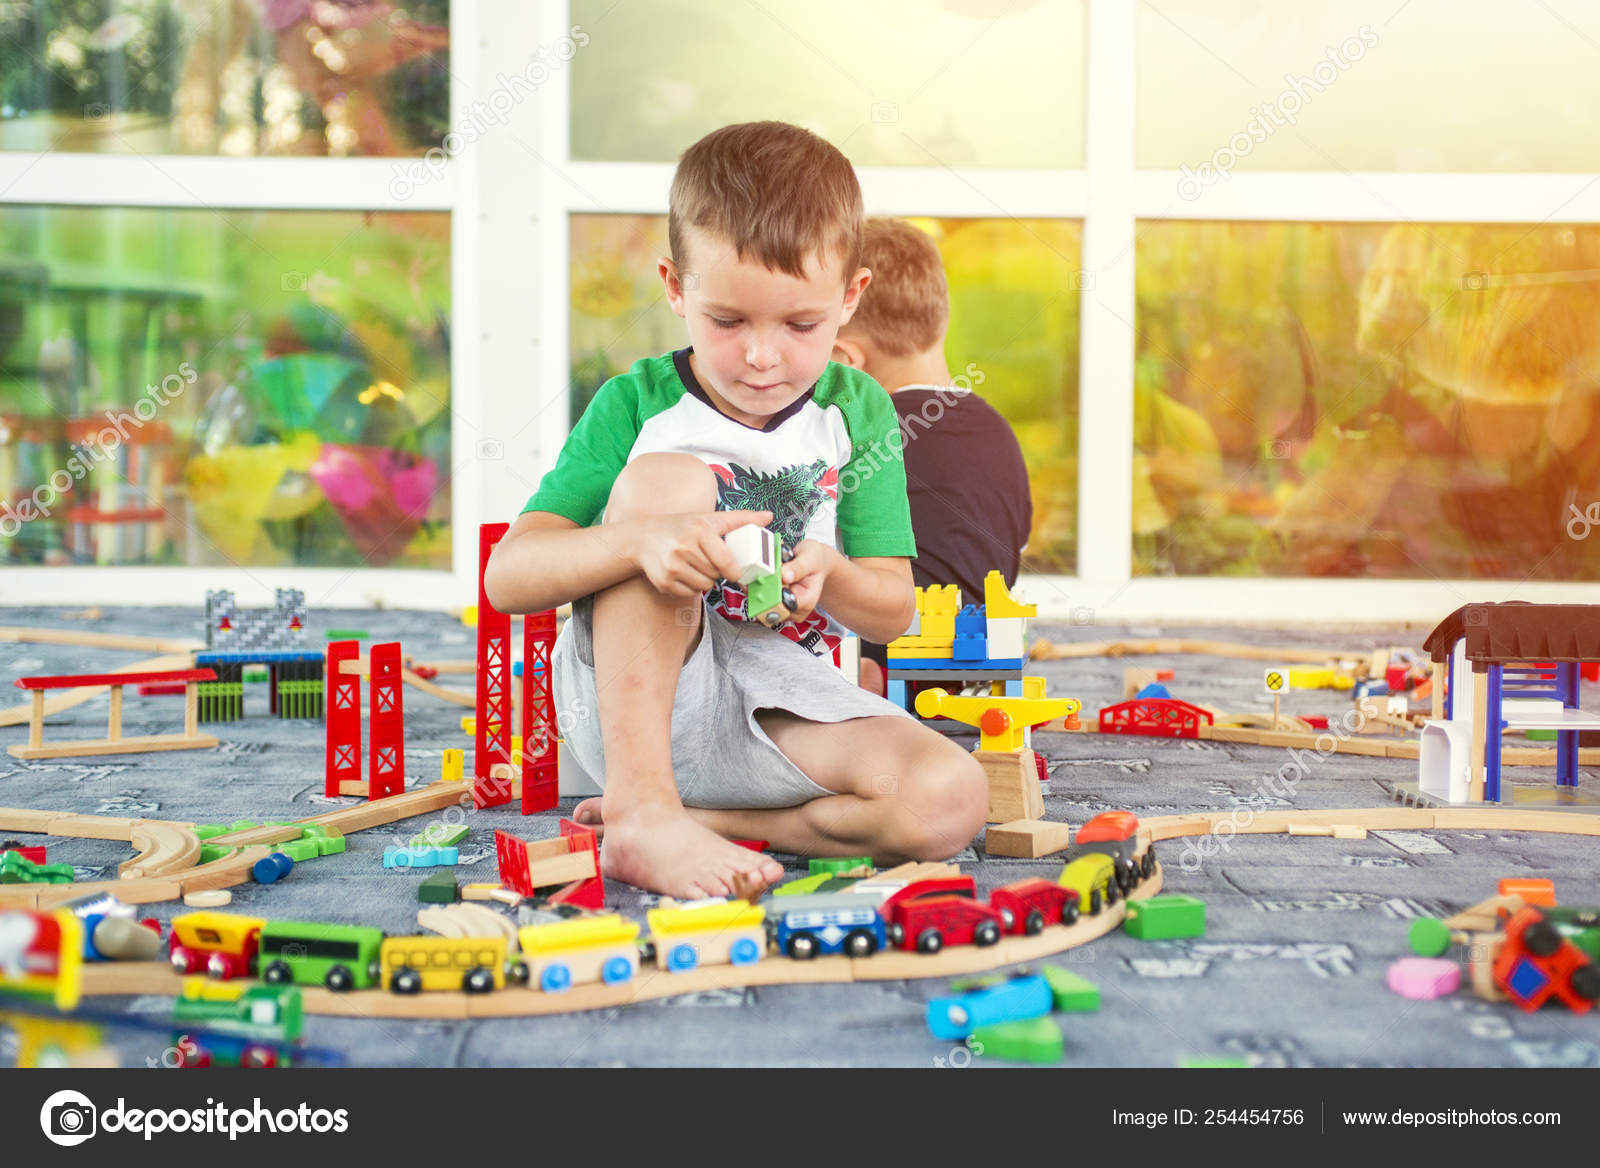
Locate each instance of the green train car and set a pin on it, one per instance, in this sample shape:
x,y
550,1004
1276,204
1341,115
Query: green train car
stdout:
x,y
231,1024
340,957
761,556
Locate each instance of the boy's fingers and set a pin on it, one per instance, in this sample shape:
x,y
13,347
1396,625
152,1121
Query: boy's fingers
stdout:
x,y
726,521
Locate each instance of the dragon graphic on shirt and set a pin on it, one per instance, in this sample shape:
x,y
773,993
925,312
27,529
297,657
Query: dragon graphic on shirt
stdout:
x,y
793,495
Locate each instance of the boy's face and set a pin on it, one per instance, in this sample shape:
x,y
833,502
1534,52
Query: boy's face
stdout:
x,y
761,338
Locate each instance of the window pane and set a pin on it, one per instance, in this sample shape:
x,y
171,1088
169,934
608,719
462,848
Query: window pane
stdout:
x,y
243,387
1014,294
1424,85
267,77
1407,401
990,83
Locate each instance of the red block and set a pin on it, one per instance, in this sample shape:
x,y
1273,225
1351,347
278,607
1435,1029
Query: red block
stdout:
x,y
540,782
342,721
1157,717
491,736
32,855
386,723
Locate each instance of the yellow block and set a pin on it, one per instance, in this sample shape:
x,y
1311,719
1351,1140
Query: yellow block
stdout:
x,y
997,599
920,652
1310,677
735,914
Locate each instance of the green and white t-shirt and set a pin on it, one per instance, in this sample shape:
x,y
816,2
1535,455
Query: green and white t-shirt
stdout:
x,y
828,467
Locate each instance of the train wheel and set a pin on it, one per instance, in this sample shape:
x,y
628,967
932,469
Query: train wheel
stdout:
x,y
277,973
555,978
340,979
1586,982
1111,892
861,944
617,971
1094,902
407,981
929,941
1148,865
517,973
681,958
218,966
179,960
1033,923
803,947
1069,913
987,933
1541,939
896,934
259,1058
188,1052
478,981
744,951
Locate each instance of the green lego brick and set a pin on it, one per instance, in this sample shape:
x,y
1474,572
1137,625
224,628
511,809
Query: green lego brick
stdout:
x,y
1214,1062
255,675
440,835
314,831
15,868
205,831
1035,1040
439,888
835,866
1540,735
348,635
1429,937
299,850
1162,918
328,845
210,852
1073,994
804,884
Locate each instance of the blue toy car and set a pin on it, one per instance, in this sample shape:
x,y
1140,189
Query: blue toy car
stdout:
x,y
839,922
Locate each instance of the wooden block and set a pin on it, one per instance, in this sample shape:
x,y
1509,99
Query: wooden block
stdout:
x,y
1403,750
208,898
1350,831
106,827
1013,785
562,869
1027,838
504,896
354,787
1372,748
478,891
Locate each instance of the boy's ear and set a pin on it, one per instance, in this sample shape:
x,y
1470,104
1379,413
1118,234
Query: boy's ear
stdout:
x,y
668,271
853,287
849,352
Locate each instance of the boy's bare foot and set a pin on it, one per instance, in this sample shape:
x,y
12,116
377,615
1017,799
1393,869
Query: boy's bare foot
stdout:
x,y
663,850
589,813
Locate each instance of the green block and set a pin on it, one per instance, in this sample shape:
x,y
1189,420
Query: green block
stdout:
x,y
348,635
1429,937
205,831
1214,1062
803,885
210,852
328,845
440,835
439,888
1073,994
1035,1040
299,850
1162,918
314,831
255,675
1540,735
963,985
1589,941
834,866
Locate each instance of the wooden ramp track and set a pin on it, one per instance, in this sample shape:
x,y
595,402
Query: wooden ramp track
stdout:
x,y
67,699
153,977
164,869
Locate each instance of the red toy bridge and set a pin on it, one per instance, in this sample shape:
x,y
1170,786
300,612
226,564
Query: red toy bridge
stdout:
x,y
1160,717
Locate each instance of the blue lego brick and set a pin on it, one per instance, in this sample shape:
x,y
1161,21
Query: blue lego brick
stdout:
x,y
1012,1000
1154,690
260,657
969,668
419,857
969,648
1372,687
1526,979
972,621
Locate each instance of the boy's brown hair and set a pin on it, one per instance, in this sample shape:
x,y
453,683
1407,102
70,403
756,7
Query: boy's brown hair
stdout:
x,y
775,191
907,306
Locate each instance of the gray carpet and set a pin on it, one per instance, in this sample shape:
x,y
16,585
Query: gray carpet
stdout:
x,y
1290,973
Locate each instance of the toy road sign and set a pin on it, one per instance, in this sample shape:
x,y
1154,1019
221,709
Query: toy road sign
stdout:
x,y
1276,679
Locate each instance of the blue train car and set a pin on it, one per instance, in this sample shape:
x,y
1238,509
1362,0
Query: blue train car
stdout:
x,y
840,922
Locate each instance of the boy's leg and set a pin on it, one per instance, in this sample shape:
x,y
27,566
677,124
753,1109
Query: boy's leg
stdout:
x,y
641,640
905,792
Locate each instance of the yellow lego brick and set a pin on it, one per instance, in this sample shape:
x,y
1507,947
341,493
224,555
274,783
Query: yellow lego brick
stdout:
x,y
582,932
1310,677
920,652
997,599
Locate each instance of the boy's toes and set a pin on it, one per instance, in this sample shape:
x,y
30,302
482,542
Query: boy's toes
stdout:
x,y
588,813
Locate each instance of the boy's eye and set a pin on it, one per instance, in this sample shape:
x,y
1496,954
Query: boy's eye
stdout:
x,y
721,323
803,328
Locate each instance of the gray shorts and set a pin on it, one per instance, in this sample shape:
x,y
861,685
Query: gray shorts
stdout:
x,y
720,755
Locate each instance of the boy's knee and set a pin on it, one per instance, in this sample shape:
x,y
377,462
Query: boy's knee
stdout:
x,y
662,484
954,805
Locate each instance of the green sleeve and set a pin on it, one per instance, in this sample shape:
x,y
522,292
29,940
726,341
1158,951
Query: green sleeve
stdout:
x,y
874,513
594,454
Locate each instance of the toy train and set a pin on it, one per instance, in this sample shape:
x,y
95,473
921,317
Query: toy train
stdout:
x,y
854,918
761,556
230,1025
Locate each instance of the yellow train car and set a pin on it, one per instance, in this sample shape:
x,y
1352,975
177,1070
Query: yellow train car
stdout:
x,y
1094,878
685,938
473,965
589,949
224,945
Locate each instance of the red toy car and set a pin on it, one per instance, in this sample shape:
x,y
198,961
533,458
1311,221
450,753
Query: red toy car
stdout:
x,y
935,886
1029,905
1114,834
1537,963
929,923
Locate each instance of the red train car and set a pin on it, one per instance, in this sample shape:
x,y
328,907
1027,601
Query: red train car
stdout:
x,y
1027,906
927,924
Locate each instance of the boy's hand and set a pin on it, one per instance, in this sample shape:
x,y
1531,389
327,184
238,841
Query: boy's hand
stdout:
x,y
684,555
807,573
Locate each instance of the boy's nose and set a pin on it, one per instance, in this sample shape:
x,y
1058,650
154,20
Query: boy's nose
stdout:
x,y
761,355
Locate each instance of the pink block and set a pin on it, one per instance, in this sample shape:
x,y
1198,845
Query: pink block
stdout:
x,y
1424,978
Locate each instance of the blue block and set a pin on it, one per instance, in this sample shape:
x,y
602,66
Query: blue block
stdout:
x,y
969,648
1526,979
1013,1000
272,869
896,693
972,621
1154,690
429,857
261,657
974,668
1372,687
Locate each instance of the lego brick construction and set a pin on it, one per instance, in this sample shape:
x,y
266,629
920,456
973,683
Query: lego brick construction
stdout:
x,y
1285,960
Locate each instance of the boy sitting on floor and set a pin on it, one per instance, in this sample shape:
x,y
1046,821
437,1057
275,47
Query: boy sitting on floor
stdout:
x,y
700,726
971,508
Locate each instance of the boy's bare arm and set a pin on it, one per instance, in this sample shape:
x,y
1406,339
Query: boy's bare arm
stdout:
x,y
546,559
871,595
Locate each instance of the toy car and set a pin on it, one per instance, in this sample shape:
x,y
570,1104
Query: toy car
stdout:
x,y
1093,878
1017,998
841,922
1029,905
929,923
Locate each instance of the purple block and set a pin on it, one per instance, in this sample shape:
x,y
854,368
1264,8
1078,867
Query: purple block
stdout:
x,y
1424,978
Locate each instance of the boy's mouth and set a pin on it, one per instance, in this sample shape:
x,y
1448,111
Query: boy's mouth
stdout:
x,y
760,388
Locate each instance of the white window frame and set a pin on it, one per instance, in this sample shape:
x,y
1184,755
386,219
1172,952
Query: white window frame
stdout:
x,y
512,195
